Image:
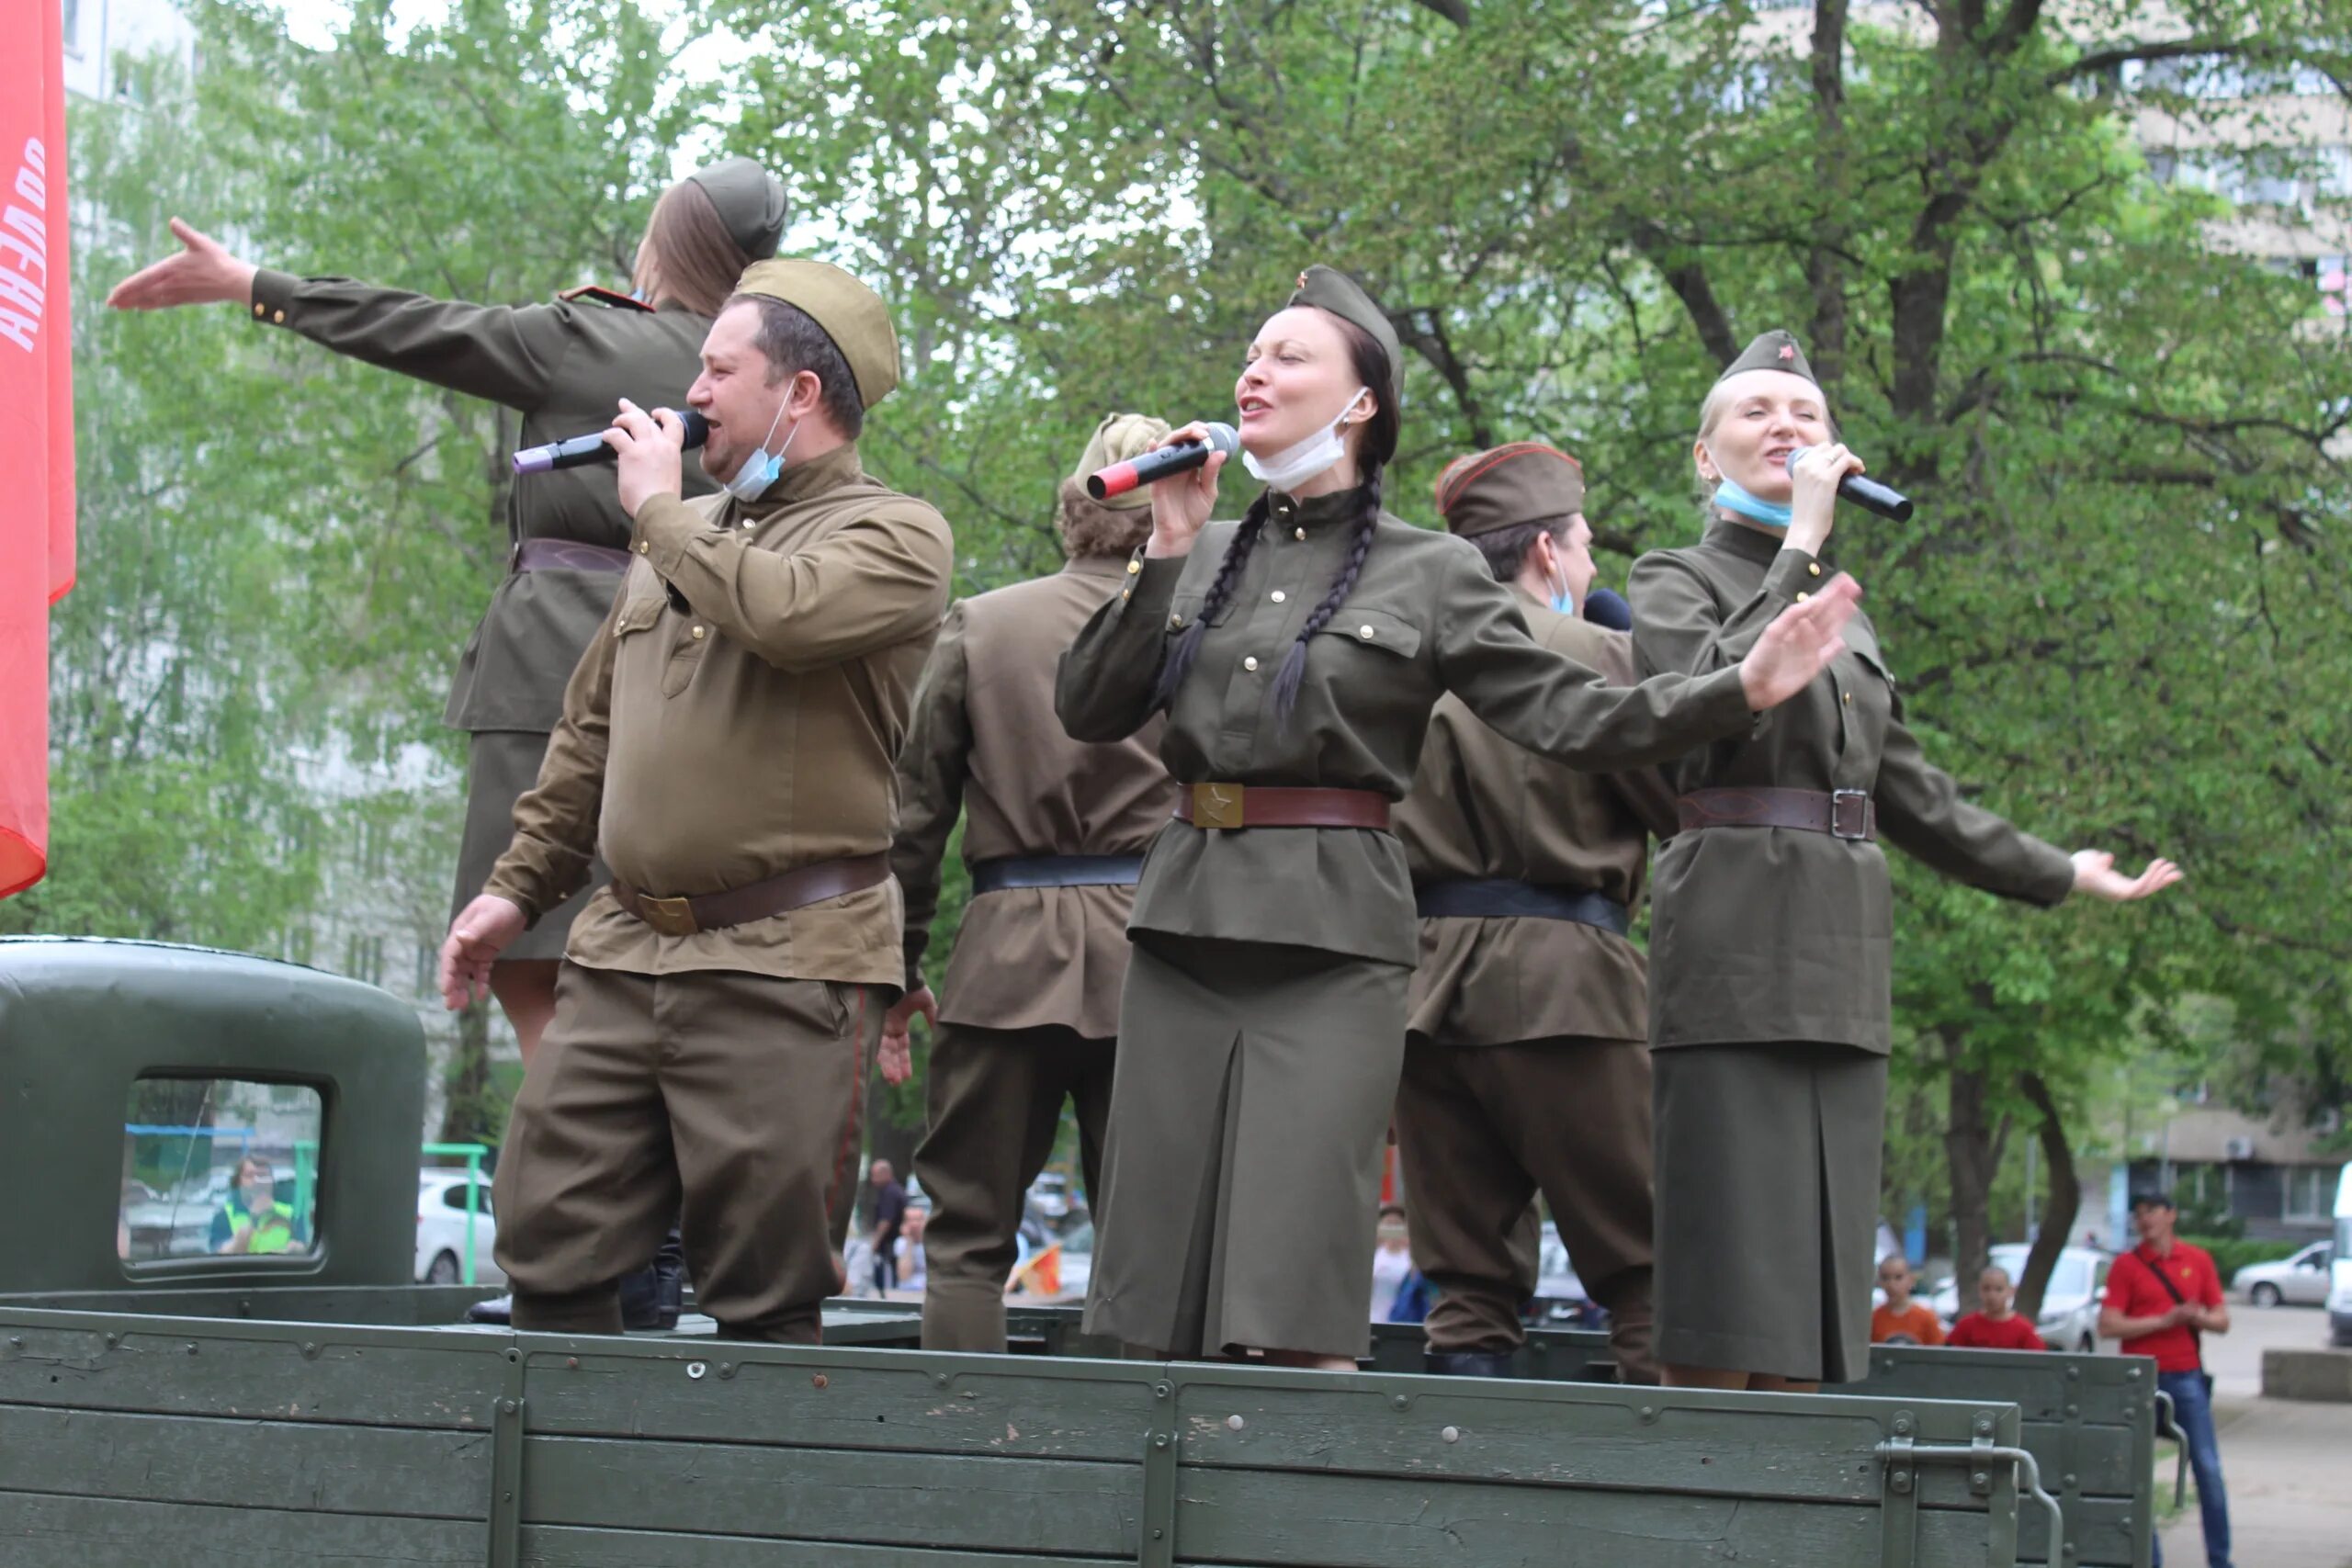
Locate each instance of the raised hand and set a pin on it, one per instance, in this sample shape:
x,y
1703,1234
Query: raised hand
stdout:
x,y
1181,503
1799,645
652,449
204,273
2095,875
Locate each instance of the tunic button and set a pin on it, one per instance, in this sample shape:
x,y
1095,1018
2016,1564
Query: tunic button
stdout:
x,y
1175,623
1364,632
1848,696
1814,567
1279,595
1251,663
280,318
1133,566
644,547
1802,597
697,633
259,310
1298,533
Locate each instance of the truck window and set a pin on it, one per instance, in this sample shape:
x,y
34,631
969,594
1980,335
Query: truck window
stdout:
x,y
218,1168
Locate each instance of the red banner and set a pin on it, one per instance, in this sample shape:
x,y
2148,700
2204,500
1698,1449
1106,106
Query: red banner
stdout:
x,y
36,418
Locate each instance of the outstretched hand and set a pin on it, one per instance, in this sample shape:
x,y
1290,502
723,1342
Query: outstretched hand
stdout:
x,y
1799,645
204,273
897,1056
2095,874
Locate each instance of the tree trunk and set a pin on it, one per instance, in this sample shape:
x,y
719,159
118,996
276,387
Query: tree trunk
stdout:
x,y
2065,1196
466,1112
1973,1145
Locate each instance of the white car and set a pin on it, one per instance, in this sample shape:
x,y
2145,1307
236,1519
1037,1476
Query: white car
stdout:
x,y
441,1230
2302,1279
2069,1317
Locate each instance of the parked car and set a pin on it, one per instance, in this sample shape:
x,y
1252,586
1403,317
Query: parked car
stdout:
x,y
441,1229
2339,1294
2070,1304
2302,1279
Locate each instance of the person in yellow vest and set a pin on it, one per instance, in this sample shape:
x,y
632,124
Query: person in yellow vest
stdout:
x,y
257,1223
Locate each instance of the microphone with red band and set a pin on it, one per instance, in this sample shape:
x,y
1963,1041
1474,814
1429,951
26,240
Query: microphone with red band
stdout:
x,y
1866,494
1160,462
581,450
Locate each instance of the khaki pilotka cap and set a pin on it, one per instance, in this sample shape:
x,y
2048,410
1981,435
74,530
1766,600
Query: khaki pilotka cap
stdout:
x,y
849,312
1525,481
1119,437
1335,291
1775,350
750,202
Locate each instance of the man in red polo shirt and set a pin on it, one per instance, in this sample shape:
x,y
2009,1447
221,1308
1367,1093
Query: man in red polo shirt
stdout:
x,y
2163,1296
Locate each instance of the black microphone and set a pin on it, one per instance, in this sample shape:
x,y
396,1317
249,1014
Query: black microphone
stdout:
x,y
1866,494
581,450
1160,462
1607,607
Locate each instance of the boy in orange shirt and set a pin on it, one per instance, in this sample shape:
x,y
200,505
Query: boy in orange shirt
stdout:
x,y
1994,1324
1901,1321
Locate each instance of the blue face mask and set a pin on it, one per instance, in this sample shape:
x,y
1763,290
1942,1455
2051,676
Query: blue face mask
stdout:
x,y
1731,497
761,469
1564,602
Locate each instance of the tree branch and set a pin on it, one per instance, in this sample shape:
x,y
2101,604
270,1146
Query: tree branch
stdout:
x,y
1688,278
2103,60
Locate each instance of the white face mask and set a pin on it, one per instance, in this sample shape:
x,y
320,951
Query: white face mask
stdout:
x,y
761,469
1294,465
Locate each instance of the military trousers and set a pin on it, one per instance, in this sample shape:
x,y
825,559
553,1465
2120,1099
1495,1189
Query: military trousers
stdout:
x,y
1480,1130
994,1098
721,1102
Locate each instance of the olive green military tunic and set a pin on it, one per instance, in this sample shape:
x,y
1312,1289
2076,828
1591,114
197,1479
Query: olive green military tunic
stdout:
x,y
736,717
1770,1002
1262,1022
1526,1057
562,367
1030,1004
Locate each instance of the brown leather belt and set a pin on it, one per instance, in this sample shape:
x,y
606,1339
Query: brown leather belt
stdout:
x,y
1272,805
1841,812
755,900
567,555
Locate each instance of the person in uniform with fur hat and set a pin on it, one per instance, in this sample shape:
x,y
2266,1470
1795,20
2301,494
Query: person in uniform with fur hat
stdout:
x,y
728,739
1296,655
1770,1001
1526,1049
1054,836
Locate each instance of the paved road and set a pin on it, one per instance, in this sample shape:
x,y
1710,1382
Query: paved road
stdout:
x,y
2288,1463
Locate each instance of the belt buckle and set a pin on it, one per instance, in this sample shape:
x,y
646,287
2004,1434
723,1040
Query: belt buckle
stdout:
x,y
1859,799
671,917
1216,805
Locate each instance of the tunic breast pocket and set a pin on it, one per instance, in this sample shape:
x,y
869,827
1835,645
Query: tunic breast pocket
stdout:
x,y
1380,635
637,614
1867,700
1185,608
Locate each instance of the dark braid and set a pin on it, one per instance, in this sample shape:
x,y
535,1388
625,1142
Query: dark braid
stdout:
x,y
1221,590
1293,669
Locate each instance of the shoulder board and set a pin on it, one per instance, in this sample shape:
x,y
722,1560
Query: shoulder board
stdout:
x,y
605,296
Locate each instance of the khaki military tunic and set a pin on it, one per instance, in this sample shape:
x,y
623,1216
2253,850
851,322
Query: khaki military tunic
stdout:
x,y
737,717
1030,1002
1771,1009
562,367
1262,1026
1526,1062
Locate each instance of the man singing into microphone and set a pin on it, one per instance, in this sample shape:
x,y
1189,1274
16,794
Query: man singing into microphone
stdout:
x,y
727,738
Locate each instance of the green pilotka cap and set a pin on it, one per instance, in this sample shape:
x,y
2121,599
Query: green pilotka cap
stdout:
x,y
1327,289
1525,481
1119,437
750,202
1775,350
846,310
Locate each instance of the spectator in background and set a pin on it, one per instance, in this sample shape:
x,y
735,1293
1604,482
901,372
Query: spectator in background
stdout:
x,y
1901,1321
889,1220
2162,1297
1994,1324
252,1222
912,1273
1392,1261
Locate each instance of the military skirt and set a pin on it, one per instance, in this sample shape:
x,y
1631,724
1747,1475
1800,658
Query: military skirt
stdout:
x,y
1767,1168
1249,1113
500,765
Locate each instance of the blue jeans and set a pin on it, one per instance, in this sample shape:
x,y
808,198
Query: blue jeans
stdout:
x,y
2192,1416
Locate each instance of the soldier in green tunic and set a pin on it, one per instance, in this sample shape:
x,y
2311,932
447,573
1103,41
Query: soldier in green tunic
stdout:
x,y
1527,1056
1298,656
561,367
1054,833
1771,996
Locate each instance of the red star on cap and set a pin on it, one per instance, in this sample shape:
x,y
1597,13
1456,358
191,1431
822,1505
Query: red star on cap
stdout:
x,y
1788,351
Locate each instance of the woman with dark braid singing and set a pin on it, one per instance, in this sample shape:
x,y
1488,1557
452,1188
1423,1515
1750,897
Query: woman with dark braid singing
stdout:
x,y
1297,654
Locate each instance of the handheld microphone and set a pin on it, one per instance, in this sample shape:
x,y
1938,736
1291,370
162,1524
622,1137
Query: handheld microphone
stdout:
x,y
581,450
1160,462
1607,607
1866,494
